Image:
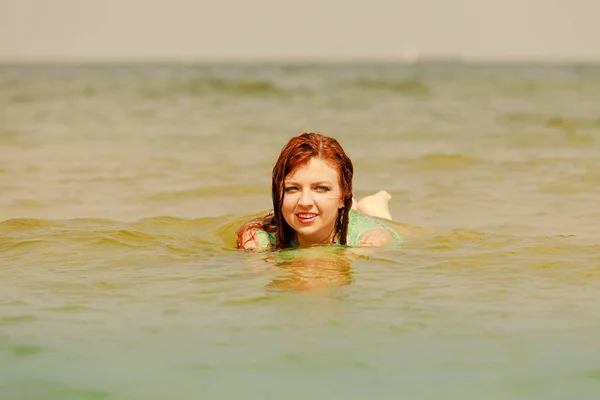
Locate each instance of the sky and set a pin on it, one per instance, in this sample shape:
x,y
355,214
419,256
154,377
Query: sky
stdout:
x,y
224,30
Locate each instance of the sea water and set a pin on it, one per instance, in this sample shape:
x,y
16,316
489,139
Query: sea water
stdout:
x,y
121,187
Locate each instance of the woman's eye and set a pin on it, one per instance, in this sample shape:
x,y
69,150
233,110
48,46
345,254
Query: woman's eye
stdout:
x,y
290,189
322,188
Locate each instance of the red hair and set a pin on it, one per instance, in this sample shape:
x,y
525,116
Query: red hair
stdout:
x,y
295,154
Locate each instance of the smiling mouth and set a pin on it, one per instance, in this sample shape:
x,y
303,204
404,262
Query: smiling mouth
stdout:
x,y
306,218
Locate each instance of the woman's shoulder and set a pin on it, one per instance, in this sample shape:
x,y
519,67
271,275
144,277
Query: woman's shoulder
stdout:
x,y
257,233
256,238
364,229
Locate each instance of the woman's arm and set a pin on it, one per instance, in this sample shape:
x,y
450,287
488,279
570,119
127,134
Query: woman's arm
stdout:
x,y
376,237
248,240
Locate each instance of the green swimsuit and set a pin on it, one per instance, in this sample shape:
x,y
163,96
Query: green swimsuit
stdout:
x,y
358,224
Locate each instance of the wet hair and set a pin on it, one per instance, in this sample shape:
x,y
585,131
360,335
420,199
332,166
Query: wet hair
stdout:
x,y
296,154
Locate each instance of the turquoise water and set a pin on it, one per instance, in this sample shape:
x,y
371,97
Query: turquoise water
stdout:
x,y
121,186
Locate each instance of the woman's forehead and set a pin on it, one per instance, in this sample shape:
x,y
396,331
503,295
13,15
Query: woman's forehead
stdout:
x,y
315,168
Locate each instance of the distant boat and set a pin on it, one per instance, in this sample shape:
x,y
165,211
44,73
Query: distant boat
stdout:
x,y
439,59
415,57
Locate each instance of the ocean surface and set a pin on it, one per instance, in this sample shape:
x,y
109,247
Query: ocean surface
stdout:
x,y
121,187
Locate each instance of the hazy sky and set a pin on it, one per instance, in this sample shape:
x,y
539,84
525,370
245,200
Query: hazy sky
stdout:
x,y
307,29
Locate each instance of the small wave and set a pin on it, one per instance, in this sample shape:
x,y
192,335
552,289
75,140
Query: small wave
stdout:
x,y
10,83
201,86
205,191
8,135
581,182
572,122
573,130
17,224
405,86
537,252
11,244
541,87
66,240
451,160
441,160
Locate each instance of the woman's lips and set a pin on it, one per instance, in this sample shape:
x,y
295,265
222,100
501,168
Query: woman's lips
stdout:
x,y
306,218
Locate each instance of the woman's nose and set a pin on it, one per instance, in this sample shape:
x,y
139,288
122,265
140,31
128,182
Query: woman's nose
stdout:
x,y
305,198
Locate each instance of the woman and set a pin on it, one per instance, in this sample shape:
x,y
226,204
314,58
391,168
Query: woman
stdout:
x,y
312,202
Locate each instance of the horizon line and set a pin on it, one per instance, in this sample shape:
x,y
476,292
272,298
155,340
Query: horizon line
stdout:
x,y
426,59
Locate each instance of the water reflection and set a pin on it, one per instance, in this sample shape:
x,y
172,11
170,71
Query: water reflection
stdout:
x,y
313,269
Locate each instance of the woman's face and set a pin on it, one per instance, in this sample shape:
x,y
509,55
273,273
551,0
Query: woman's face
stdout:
x,y
311,200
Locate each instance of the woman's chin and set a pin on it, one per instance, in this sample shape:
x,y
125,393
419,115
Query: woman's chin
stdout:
x,y
311,236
